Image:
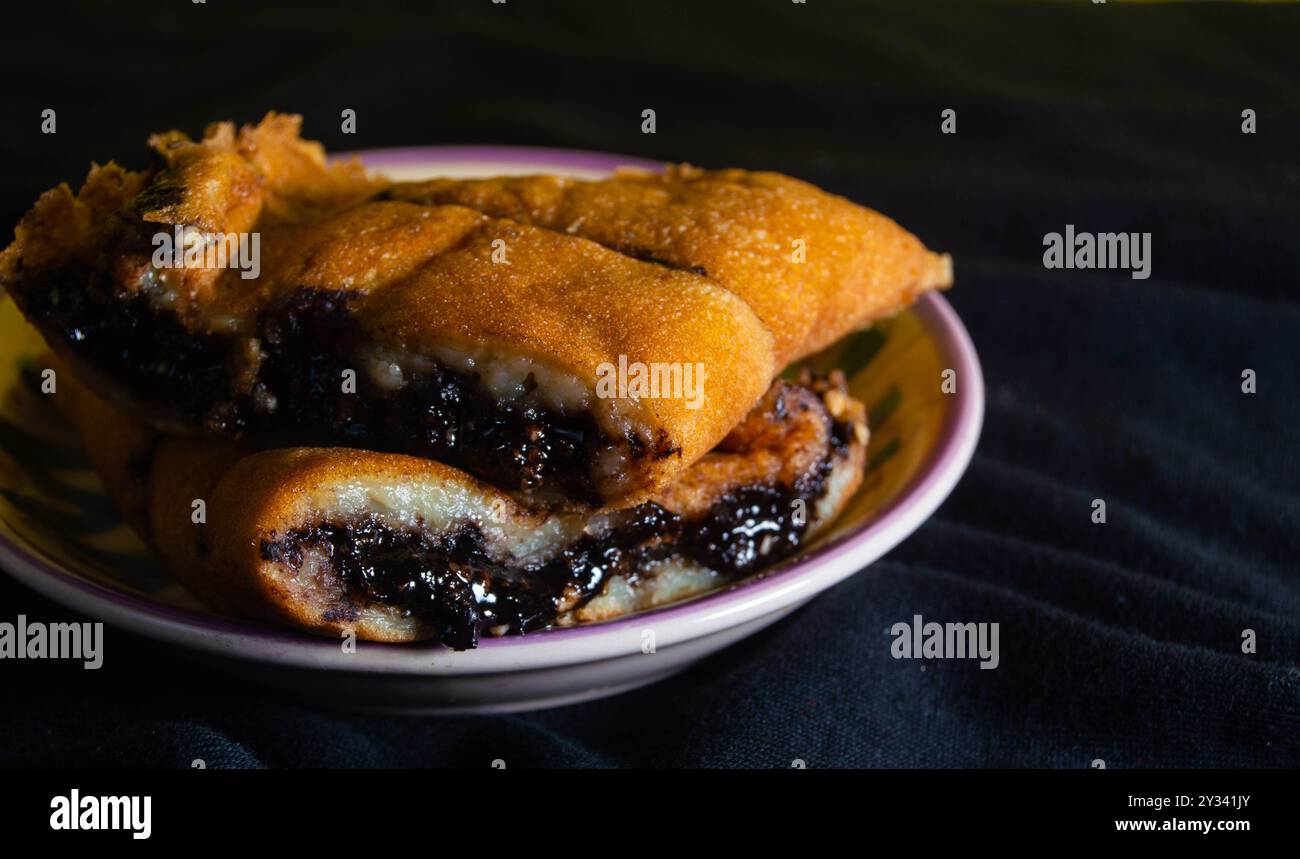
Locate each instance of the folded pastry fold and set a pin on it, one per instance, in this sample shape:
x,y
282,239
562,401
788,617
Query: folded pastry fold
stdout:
x,y
812,265
398,548
567,342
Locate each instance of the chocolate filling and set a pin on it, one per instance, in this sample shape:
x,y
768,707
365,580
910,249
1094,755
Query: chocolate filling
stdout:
x,y
450,581
146,350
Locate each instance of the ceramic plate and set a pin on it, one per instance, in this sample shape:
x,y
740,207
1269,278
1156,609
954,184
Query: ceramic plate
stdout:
x,y
60,535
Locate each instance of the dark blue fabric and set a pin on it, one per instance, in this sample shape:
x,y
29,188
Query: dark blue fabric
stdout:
x,y
1119,641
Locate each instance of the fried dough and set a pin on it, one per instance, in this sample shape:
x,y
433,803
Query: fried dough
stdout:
x,y
812,265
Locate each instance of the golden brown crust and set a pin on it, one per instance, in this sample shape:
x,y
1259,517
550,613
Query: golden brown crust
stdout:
x,y
120,449
262,174
260,177
575,306
183,472
64,228
742,229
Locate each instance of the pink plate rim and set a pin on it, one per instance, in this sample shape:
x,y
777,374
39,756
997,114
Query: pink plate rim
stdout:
x,y
783,588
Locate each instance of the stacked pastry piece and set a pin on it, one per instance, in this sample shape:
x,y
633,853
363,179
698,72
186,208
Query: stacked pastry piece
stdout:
x,y
417,420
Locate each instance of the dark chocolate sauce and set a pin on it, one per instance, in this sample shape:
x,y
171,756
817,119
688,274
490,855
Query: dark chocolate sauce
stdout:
x,y
127,337
449,580
747,530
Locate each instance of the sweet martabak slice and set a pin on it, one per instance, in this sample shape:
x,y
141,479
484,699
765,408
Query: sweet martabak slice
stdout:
x,y
435,331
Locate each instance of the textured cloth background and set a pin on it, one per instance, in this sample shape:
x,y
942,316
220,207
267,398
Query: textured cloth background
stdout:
x,y
1119,642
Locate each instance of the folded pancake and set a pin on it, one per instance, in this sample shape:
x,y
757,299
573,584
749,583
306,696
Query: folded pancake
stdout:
x,y
812,265
435,331
398,548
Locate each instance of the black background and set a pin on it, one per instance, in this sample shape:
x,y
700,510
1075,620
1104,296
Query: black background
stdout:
x,y
1119,642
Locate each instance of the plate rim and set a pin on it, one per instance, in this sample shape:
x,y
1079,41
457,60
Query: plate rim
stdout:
x,y
673,624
